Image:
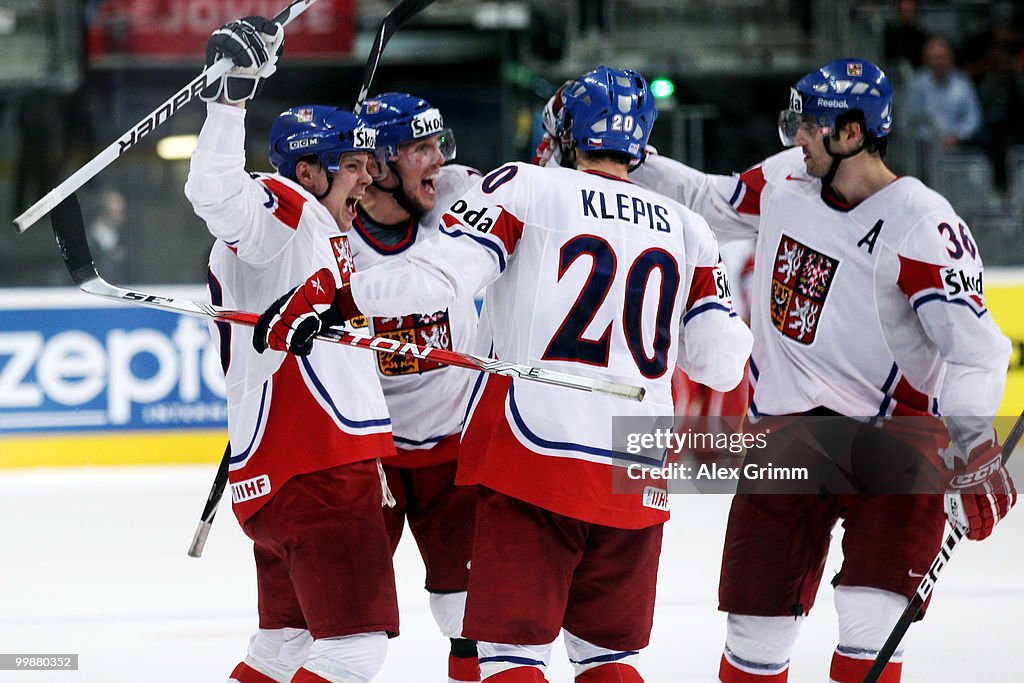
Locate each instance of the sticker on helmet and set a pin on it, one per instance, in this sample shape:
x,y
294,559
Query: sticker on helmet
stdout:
x,y
854,69
426,123
304,115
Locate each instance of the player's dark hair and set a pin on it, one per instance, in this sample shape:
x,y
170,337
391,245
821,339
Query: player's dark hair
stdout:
x,y
872,144
607,154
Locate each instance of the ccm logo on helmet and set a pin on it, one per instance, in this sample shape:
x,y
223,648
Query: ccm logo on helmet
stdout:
x,y
302,143
426,123
364,138
833,104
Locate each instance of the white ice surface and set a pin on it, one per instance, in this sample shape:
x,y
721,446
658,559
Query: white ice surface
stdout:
x,y
93,562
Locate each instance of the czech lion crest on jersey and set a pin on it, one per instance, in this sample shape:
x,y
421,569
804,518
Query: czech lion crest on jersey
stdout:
x,y
800,282
424,329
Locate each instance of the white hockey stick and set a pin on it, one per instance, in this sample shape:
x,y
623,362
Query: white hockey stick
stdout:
x,y
140,130
69,229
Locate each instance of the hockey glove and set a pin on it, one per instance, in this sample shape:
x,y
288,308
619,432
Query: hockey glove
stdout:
x,y
254,44
293,321
980,490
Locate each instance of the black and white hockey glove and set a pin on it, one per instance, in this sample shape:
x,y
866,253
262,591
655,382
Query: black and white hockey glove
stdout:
x,y
254,45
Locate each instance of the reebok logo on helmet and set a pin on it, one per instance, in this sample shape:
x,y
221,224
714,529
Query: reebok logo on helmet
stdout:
x,y
833,104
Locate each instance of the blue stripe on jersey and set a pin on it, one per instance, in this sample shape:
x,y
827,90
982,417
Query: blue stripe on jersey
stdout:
x,y
711,305
886,389
611,657
522,661
487,243
736,193
354,424
413,442
942,297
569,446
240,457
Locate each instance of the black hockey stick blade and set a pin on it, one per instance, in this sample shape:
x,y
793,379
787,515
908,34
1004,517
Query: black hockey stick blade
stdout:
x,y
69,230
220,481
394,20
949,544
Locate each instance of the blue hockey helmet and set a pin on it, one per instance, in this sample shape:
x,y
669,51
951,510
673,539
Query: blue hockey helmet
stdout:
x,y
400,117
608,109
837,88
324,132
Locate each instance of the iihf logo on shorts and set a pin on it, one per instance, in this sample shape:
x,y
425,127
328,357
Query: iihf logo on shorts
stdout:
x,y
800,282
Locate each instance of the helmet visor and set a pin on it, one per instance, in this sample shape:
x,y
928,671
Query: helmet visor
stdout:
x,y
376,165
791,123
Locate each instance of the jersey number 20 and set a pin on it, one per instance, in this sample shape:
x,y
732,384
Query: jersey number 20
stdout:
x,y
568,343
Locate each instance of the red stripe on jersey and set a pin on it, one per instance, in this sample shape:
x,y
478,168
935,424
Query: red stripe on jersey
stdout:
x,y
508,229
285,452
289,202
916,276
491,455
753,181
703,285
909,401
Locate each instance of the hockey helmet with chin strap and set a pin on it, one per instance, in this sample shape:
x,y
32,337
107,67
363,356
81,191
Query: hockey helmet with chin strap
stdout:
x,y
325,132
607,109
838,88
400,117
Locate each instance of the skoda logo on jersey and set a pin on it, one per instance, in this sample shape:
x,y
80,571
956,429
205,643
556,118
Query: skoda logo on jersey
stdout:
x,y
426,123
474,218
302,143
364,138
960,283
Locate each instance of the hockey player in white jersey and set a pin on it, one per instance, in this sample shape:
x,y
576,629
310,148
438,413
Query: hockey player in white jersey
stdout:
x,y
305,433
867,301
398,215
586,272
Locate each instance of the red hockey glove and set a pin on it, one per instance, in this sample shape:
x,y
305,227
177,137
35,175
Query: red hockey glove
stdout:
x,y
981,491
291,322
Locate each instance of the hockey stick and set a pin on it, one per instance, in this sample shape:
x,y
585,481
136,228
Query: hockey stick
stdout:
x,y
132,136
391,22
69,229
952,540
210,509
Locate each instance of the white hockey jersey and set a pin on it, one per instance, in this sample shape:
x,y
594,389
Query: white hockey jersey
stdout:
x,y
587,274
427,400
874,309
286,415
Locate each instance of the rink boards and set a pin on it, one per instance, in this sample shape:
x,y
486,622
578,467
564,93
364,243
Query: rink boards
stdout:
x,y
84,382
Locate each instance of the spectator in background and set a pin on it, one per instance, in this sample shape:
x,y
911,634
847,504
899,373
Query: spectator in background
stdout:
x,y
945,104
992,58
904,41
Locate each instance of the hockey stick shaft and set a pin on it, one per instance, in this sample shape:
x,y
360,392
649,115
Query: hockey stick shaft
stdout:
x,y
210,509
393,21
924,589
132,136
69,229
